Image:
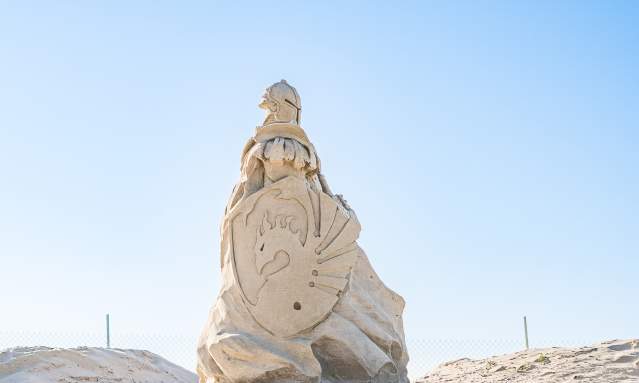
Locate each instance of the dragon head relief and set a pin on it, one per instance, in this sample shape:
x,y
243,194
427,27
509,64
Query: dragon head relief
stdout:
x,y
275,244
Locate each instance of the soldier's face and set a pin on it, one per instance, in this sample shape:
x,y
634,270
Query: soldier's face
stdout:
x,y
264,102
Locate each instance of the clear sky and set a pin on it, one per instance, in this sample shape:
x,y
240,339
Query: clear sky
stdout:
x,y
490,150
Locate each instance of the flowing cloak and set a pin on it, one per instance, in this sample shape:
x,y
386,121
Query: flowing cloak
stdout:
x,y
360,338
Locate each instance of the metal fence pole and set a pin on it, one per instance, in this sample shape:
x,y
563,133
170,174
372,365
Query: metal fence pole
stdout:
x,y
526,331
108,332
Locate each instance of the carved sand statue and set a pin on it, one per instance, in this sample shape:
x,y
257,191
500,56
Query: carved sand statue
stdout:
x,y
299,300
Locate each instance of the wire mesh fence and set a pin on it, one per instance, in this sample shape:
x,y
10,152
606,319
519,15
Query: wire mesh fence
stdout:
x,y
425,354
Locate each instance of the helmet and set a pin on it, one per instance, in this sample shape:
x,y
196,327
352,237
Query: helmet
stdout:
x,y
282,104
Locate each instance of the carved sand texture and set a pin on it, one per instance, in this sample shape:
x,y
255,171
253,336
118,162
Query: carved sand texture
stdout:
x,y
88,364
607,362
299,300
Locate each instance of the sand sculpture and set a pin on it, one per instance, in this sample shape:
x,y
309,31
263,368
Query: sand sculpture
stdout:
x,y
299,300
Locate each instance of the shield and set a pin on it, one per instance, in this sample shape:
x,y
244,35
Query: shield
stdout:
x,y
292,250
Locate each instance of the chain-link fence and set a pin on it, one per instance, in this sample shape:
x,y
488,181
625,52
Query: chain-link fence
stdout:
x,y
425,354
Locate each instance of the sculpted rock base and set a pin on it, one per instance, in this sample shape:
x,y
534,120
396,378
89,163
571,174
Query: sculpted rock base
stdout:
x,y
361,341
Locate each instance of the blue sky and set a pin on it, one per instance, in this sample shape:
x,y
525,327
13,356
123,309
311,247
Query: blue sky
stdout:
x,y
489,148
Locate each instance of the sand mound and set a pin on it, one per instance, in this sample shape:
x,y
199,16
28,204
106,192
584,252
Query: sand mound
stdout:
x,y
88,364
614,361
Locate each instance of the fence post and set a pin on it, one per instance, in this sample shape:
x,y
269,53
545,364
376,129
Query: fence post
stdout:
x,y
526,331
108,332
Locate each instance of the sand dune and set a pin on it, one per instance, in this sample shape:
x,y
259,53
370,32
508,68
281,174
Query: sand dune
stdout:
x,y
88,364
613,361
